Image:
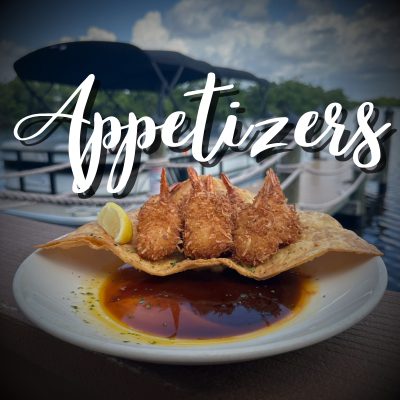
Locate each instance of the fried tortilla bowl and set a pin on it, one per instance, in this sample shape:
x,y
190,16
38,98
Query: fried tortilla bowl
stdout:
x,y
320,234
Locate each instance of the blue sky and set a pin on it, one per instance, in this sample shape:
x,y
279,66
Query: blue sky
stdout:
x,y
348,44
36,23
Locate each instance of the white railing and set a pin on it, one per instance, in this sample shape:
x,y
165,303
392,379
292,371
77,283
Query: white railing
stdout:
x,y
334,203
294,170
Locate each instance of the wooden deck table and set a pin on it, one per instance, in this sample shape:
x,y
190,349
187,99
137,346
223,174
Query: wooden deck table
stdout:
x,y
361,363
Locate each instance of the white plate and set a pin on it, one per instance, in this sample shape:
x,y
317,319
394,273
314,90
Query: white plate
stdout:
x,y
48,287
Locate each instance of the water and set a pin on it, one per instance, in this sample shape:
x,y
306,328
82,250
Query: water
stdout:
x,y
381,223
383,218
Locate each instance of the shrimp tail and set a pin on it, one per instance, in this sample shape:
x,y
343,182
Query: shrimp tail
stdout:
x,y
274,187
228,185
164,188
236,201
209,184
273,178
194,179
270,191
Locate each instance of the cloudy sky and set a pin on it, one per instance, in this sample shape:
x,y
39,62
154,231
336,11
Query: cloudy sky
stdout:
x,y
354,44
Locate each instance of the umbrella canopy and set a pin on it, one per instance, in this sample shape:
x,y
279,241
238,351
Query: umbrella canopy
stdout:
x,y
118,66
170,62
178,68
115,65
231,73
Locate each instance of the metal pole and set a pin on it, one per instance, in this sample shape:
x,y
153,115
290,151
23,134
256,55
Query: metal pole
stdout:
x,y
52,175
383,175
292,192
21,179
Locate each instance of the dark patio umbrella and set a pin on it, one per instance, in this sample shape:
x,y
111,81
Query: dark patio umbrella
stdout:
x,y
119,66
115,65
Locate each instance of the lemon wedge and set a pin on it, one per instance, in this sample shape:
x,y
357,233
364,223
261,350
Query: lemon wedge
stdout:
x,y
115,221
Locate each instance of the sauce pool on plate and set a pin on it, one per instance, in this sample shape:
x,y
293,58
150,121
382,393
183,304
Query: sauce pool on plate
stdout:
x,y
200,304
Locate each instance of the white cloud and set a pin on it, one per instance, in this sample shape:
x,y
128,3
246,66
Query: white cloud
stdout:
x,y
194,17
92,33
95,33
325,48
9,53
220,45
65,39
150,33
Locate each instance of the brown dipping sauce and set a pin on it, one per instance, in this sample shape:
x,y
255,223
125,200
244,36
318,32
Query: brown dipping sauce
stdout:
x,y
199,304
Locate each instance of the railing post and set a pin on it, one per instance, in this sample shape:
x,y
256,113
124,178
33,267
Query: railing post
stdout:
x,y
353,212
292,191
316,155
52,175
358,197
383,175
21,179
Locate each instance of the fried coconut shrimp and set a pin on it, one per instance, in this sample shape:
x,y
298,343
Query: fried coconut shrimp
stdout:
x,y
159,225
287,224
208,223
261,227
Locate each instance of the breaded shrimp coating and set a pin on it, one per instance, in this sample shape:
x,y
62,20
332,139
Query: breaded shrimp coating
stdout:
x,y
159,225
237,202
287,223
261,227
208,223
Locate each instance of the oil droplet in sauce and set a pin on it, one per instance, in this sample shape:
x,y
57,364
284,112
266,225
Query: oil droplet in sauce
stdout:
x,y
200,304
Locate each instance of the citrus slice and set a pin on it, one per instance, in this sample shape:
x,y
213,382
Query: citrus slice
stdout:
x,y
115,221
